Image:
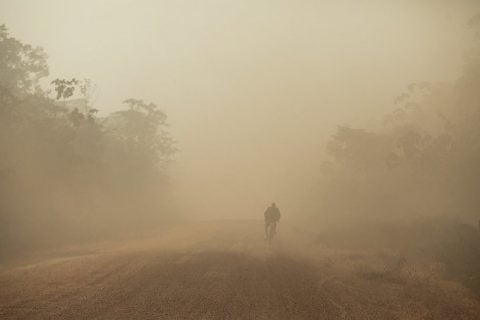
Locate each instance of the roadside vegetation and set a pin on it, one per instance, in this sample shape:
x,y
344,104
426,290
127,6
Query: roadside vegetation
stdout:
x,y
66,173
410,183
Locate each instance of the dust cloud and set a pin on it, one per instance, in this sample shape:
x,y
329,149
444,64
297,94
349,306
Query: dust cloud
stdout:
x,y
359,119
253,90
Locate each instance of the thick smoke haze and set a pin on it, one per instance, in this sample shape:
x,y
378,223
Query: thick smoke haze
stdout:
x,y
253,89
248,159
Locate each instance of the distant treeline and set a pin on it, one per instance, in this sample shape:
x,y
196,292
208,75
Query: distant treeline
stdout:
x,y
67,174
422,159
411,183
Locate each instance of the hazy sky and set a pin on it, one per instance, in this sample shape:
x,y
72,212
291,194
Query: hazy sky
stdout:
x,y
252,88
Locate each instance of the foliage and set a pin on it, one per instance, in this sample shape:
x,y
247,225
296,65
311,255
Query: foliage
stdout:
x,y
394,186
21,65
64,88
65,172
423,162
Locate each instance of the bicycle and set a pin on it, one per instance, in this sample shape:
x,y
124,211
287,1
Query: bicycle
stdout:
x,y
271,230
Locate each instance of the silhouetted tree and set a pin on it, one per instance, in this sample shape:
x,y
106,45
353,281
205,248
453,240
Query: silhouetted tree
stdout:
x,y
66,171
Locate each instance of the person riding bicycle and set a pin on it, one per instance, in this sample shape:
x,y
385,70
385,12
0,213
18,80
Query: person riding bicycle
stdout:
x,y
272,217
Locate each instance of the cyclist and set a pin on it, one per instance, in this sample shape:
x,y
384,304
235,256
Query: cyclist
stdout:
x,y
272,217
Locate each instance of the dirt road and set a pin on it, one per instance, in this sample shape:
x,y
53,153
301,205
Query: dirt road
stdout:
x,y
222,270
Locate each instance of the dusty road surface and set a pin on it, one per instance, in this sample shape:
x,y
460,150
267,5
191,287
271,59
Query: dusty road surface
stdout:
x,y
223,270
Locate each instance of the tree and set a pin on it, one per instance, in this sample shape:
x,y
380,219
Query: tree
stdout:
x,y
142,129
425,159
21,65
82,175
